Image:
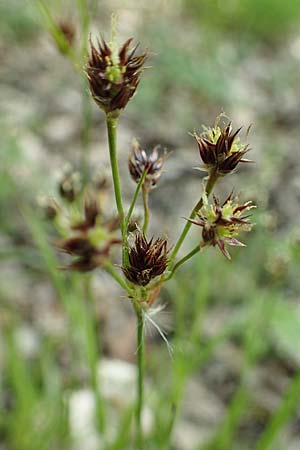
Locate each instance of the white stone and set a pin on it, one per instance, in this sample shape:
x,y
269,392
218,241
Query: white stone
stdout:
x,y
82,421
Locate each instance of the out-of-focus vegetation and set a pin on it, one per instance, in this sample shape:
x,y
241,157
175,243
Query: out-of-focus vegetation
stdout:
x,y
235,326
16,23
265,21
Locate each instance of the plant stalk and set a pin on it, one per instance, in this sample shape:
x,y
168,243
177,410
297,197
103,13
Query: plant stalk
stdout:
x,y
140,379
134,199
183,260
117,277
213,176
111,123
86,131
145,193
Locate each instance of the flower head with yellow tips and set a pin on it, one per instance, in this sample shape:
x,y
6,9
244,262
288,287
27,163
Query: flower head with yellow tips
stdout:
x,y
223,222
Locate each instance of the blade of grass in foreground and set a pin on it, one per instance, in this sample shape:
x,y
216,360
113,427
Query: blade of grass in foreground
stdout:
x,y
281,416
77,305
56,33
193,305
224,437
123,438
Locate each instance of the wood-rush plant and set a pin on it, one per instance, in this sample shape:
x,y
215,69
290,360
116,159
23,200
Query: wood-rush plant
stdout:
x,y
113,75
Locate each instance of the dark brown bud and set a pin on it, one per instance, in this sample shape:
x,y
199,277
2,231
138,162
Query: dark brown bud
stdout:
x,y
147,260
220,150
134,223
113,75
208,233
152,163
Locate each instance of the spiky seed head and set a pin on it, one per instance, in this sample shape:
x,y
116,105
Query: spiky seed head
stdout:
x,y
152,163
147,260
113,74
87,255
222,223
220,149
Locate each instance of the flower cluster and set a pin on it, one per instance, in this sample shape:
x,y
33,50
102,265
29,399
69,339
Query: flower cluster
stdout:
x,y
114,74
91,237
220,149
87,255
222,223
147,260
87,234
151,164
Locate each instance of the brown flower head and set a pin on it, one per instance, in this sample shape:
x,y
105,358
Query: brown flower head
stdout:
x,y
147,260
87,255
220,149
222,223
141,161
113,74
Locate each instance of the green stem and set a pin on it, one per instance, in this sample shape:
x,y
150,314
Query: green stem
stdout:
x,y
86,130
146,208
183,260
84,17
140,379
134,199
112,142
117,277
55,31
208,188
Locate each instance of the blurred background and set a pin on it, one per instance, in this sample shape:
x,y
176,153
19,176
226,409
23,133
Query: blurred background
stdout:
x,y
234,327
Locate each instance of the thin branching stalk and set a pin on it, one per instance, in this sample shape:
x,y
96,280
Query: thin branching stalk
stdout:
x,y
140,378
84,16
146,208
128,217
183,260
112,143
208,188
117,277
134,198
57,34
86,130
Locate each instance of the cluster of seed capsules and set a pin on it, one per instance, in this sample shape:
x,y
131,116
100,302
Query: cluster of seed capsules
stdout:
x,y
87,233
113,74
